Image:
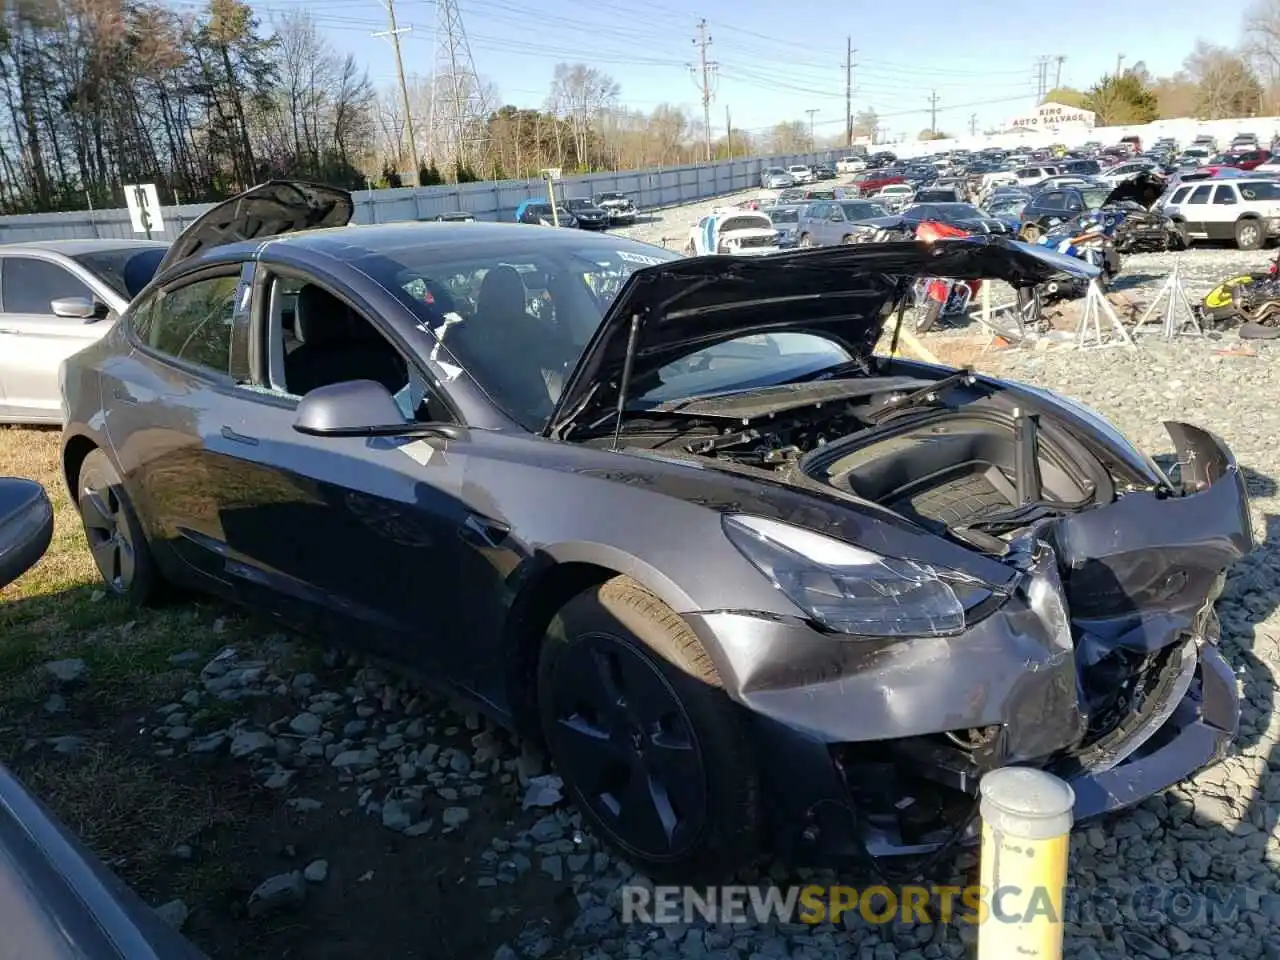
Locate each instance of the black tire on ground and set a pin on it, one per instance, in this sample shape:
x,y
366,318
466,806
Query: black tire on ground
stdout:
x,y
1250,235
927,314
1179,240
114,536
651,749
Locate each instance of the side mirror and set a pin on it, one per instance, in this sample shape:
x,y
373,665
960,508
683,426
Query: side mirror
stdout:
x,y
362,408
26,526
78,308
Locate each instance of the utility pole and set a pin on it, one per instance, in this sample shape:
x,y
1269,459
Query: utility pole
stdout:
x,y
1119,60
394,33
702,41
1057,82
848,91
811,113
933,113
728,132
973,124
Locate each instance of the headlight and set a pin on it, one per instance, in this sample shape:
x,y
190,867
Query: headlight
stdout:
x,y
851,590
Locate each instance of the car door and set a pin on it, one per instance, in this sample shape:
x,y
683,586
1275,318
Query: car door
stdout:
x,y
347,533
1199,213
33,341
1220,222
812,222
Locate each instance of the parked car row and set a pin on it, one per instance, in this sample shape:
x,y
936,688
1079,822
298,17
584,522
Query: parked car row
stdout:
x,y
600,212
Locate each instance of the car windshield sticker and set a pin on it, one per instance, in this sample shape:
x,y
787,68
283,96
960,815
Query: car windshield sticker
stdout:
x,y
640,258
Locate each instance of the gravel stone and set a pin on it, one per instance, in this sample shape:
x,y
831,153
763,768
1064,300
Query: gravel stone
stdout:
x,y
316,871
174,913
284,891
249,742
306,724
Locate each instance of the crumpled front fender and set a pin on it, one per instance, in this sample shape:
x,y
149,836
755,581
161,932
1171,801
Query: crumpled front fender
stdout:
x,y
1138,572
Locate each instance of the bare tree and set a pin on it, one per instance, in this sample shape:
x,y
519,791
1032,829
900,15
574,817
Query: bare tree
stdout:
x,y
580,94
1226,85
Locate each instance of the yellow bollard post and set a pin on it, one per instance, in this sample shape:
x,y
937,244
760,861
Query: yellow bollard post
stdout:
x,y
1026,834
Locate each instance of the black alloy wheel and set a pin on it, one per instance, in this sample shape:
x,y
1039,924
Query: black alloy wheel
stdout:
x,y
628,746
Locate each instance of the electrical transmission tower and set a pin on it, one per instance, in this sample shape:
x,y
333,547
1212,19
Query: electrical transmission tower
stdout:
x,y
706,70
933,113
458,107
1057,81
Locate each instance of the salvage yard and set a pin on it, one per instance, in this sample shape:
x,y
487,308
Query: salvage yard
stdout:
x,y
278,799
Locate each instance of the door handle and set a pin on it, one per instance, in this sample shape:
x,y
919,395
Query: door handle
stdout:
x,y
123,396
229,434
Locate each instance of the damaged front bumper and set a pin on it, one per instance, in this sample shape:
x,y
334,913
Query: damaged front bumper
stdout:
x,y
1103,666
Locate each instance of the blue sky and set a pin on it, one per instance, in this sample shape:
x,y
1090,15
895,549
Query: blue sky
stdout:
x,y
777,60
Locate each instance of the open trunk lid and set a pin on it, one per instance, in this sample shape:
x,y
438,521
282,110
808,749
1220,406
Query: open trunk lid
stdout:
x,y
267,210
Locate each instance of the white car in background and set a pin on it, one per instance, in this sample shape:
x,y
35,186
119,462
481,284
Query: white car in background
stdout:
x,y
800,173
732,232
851,164
1029,176
1122,172
895,196
56,298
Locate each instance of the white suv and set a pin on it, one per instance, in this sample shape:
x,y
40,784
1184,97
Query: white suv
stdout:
x,y
1246,211
800,173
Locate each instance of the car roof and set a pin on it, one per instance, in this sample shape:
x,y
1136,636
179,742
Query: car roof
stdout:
x,y
76,248
450,238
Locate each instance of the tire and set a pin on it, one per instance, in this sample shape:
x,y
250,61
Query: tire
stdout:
x,y
626,691
847,239
1029,233
1250,235
689,251
805,242
115,538
1179,240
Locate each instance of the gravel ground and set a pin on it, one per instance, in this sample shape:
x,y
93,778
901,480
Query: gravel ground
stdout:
x,y
341,747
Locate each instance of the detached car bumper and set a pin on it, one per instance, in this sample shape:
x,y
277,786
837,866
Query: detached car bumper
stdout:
x,y
1103,666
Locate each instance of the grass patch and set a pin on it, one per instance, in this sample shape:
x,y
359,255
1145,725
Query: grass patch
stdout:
x,y
130,812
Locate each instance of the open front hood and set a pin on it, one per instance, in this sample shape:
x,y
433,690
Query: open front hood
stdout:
x,y
672,309
1144,189
267,210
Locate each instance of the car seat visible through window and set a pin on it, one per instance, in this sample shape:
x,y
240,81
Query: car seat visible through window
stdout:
x,y
335,345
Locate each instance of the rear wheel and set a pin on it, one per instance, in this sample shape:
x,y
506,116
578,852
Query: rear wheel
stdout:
x,y
111,528
1249,235
650,747
806,241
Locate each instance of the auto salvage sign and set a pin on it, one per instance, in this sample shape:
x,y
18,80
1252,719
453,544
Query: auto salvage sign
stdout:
x,y
1053,114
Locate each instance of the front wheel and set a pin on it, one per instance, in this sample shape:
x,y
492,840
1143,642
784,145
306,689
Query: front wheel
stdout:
x,y
651,749
806,241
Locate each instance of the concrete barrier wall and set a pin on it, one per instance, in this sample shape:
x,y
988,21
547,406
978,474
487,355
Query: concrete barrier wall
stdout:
x,y
491,200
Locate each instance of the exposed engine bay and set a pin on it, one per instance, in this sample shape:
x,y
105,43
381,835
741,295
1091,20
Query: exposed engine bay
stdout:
x,y
950,455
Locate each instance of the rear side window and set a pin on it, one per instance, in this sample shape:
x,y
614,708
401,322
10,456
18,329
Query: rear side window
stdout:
x,y
193,324
1201,194
28,285
1224,194
1180,195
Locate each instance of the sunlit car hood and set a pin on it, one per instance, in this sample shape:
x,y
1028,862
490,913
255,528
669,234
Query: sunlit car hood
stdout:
x,y
669,310
267,210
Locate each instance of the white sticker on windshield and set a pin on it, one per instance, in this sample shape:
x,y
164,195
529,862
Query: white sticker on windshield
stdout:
x,y
448,371
418,450
640,258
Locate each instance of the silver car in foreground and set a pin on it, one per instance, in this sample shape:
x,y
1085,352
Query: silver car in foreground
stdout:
x,y
56,298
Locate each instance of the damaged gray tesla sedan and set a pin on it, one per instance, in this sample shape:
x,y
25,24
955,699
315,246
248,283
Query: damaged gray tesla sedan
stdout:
x,y
750,583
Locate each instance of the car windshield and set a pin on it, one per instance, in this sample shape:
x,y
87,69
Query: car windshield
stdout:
x,y
579,203
1007,207
1094,197
746,363
784,214
956,210
611,196
1260,190
517,314
125,270
862,210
